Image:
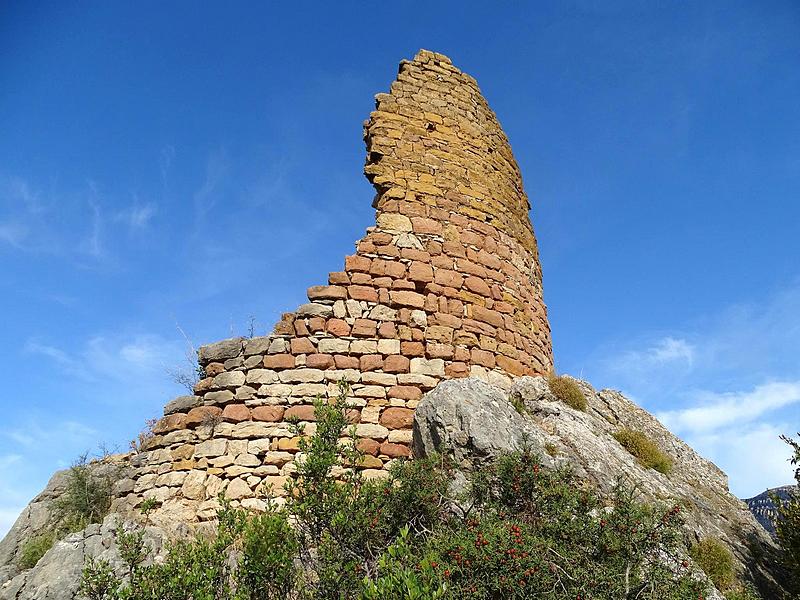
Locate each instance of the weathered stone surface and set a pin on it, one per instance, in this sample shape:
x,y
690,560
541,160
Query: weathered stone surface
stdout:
x,y
474,421
182,404
221,351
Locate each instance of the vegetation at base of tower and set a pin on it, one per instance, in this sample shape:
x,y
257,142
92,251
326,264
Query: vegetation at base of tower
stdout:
x,y
787,524
514,531
716,560
644,449
566,390
86,499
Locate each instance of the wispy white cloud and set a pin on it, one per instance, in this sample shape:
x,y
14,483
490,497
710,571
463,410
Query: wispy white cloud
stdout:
x,y
138,215
117,357
711,411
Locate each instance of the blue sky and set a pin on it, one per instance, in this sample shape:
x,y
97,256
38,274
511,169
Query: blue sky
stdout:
x,y
176,168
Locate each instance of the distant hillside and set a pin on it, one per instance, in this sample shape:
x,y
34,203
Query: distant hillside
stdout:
x,y
764,509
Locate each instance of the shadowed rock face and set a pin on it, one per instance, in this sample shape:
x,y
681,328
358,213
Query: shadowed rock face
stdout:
x,y
474,421
764,509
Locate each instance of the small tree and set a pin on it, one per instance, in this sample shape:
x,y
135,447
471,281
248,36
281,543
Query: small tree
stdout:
x,y
788,521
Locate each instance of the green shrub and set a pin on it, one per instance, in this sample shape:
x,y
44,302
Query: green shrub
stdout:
x,y
85,500
516,531
644,449
716,560
566,390
787,524
34,549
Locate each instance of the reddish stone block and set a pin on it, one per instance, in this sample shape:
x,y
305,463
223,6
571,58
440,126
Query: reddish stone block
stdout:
x,y
396,363
492,317
414,254
319,361
202,414
355,263
448,278
380,238
338,278
360,292
371,362
407,298
427,226
456,370
338,327
170,423
419,271
461,354
270,414
397,418
403,284
454,249
236,413
445,320
478,286
316,324
302,413
361,279
300,328
279,361
213,369
405,392
368,446
412,348
302,346
346,362
509,365
383,282
364,328
482,357
327,292
387,330
394,450
395,269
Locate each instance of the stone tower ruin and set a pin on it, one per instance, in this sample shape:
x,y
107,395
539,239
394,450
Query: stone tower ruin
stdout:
x,y
446,284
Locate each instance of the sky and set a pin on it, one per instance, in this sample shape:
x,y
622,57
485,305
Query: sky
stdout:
x,y
175,173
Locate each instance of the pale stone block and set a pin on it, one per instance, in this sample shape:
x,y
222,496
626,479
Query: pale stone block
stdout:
x,y
371,430
339,309
247,460
419,318
210,448
382,312
425,381
302,376
370,391
333,346
389,346
433,367
378,378
238,489
262,376
229,379
363,347
400,436
278,346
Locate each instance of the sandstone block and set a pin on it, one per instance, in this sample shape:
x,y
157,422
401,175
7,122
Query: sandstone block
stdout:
x,y
363,347
271,414
262,376
338,327
181,404
170,423
238,489
220,351
396,363
362,292
371,430
395,450
433,367
407,298
327,292
412,348
315,309
397,418
202,414
279,361
333,346
210,448
389,346
394,222
236,413
301,413
302,376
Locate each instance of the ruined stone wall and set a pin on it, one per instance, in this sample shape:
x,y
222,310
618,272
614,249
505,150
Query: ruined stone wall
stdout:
x,y
447,284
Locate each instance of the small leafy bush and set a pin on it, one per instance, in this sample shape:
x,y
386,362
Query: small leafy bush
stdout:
x,y
85,500
566,390
644,449
716,560
34,549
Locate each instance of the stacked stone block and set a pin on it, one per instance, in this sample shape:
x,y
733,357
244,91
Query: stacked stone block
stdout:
x,y
446,284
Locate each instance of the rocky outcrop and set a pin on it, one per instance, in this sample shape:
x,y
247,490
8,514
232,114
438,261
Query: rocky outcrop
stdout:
x,y
57,575
473,421
764,509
